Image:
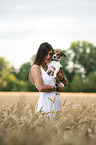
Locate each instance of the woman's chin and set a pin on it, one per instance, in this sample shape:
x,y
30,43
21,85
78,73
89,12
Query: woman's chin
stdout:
x,y
47,61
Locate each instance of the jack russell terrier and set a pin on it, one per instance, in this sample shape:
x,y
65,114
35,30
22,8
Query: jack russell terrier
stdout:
x,y
54,66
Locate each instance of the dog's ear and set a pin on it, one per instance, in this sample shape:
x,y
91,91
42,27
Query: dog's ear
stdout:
x,y
62,54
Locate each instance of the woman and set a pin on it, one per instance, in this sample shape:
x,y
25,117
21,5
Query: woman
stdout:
x,y
45,83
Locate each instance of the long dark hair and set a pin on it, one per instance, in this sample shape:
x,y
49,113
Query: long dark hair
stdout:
x,y
42,52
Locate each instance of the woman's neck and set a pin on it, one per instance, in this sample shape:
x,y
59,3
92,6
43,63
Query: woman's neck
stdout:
x,y
44,65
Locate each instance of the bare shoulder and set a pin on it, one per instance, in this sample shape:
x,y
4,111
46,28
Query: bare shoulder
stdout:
x,y
35,68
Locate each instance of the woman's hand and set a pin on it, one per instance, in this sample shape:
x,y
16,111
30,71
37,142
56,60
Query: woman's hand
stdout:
x,y
60,87
61,77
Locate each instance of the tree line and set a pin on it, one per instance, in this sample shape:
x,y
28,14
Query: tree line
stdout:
x,y
79,68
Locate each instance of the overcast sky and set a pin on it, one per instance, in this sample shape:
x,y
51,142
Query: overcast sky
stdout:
x,y
25,24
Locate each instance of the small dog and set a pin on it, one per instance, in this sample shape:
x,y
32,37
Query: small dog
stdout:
x,y
54,66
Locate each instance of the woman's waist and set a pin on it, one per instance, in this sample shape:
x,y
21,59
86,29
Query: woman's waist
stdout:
x,y
48,94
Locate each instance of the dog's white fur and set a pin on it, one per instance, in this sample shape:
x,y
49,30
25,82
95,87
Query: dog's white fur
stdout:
x,y
54,67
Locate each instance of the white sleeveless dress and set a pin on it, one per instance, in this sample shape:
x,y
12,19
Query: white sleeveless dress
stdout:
x,y
45,100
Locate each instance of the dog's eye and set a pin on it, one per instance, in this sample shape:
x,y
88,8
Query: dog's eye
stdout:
x,y
50,54
57,54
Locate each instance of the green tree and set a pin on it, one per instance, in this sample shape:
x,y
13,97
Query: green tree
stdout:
x,y
3,64
83,60
24,71
83,56
90,82
8,82
77,84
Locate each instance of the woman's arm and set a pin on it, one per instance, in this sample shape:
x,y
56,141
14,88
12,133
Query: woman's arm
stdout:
x,y
61,77
36,76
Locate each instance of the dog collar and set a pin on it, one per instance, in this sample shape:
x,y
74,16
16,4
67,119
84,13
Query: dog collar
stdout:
x,y
54,60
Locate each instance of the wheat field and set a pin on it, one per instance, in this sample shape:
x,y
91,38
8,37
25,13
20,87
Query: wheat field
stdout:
x,y
75,124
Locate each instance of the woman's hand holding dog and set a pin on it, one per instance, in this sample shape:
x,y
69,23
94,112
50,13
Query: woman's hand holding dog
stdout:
x,y
60,89
61,77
